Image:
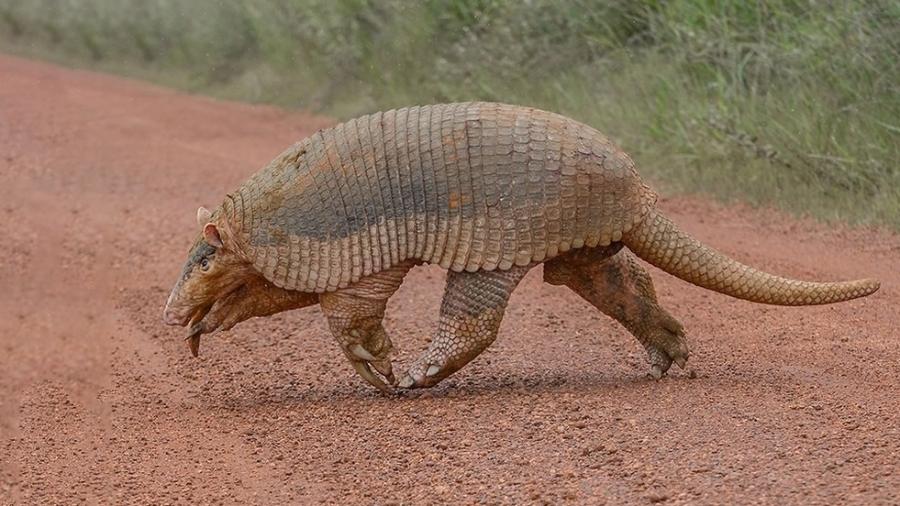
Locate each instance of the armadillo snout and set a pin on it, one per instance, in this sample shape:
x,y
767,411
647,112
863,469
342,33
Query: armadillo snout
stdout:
x,y
170,318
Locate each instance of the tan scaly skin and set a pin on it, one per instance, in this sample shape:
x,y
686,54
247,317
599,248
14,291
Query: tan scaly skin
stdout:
x,y
484,190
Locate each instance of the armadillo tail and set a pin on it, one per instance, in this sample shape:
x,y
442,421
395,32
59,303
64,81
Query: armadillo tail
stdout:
x,y
659,241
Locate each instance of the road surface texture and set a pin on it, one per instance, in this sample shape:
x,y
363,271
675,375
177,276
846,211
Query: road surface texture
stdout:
x,y
101,403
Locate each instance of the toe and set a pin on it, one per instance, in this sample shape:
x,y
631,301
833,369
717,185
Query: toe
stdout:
x,y
420,375
677,350
406,381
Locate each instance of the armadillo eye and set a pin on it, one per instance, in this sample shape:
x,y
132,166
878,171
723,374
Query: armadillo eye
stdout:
x,y
204,264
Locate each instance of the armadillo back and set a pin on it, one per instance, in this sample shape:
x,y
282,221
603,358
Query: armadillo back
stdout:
x,y
468,186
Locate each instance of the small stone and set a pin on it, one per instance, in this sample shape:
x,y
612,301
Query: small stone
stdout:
x,y
657,497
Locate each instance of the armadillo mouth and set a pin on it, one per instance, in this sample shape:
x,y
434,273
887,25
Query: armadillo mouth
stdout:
x,y
196,329
197,326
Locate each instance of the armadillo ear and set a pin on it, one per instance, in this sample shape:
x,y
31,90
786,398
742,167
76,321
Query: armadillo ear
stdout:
x,y
211,235
203,215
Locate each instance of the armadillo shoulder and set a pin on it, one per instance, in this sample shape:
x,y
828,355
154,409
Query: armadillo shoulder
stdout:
x,y
289,210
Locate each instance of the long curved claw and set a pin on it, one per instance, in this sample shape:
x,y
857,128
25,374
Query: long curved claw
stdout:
x,y
385,368
362,368
362,353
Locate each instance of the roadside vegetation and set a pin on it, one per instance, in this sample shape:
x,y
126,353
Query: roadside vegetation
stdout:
x,y
786,102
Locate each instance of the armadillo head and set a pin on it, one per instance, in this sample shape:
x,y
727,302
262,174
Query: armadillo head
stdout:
x,y
213,272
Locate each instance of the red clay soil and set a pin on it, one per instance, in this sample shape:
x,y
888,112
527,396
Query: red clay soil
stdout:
x,y
102,403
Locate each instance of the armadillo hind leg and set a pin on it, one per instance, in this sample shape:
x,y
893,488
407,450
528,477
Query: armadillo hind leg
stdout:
x,y
621,288
355,317
471,311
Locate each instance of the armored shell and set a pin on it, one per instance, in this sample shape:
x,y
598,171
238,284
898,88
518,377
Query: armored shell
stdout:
x,y
468,186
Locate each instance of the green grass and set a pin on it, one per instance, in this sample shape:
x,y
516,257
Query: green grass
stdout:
x,y
785,102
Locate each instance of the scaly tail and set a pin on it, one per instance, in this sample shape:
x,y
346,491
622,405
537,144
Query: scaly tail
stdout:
x,y
659,241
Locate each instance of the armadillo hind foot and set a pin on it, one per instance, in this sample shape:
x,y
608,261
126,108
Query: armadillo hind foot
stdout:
x,y
619,286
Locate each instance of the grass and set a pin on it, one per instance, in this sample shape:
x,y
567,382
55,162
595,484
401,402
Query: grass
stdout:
x,y
776,102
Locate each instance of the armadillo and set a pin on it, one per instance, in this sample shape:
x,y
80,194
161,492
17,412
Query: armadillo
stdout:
x,y
486,191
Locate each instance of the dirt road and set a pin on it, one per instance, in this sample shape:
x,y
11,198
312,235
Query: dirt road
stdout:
x,y
100,178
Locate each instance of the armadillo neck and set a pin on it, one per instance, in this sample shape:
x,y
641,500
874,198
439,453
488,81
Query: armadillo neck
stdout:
x,y
660,242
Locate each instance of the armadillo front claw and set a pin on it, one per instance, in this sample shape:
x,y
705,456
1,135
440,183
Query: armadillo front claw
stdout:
x,y
362,368
364,361
361,352
385,368
367,349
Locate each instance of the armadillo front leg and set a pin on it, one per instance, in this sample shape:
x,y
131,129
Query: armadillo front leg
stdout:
x,y
355,314
471,311
620,287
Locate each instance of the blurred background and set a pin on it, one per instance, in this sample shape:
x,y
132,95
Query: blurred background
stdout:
x,y
791,103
